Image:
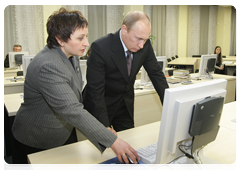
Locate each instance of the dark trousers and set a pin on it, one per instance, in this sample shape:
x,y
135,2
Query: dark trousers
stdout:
x,y
122,119
20,151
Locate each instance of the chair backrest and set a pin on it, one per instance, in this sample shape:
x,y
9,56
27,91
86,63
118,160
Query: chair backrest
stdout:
x,y
170,72
196,55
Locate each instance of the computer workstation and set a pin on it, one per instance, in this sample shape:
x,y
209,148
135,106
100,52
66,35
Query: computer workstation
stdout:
x,y
145,80
182,124
159,132
15,64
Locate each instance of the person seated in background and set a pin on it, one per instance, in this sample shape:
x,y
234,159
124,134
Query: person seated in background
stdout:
x,y
219,67
16,48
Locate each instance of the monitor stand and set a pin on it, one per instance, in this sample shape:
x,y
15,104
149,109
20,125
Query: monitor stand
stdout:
x,y
189,164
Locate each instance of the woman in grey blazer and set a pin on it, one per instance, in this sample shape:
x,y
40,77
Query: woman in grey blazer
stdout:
x,y
52,106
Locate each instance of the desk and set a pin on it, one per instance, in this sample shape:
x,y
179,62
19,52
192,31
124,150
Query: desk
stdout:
x,y
230,58
138,76
11,87
13,103
85,153
146,101
148,108
11,72
186,61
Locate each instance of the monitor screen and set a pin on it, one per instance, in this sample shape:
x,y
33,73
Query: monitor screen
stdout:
x,y
207,66
161,62
15,59
26,59
177,113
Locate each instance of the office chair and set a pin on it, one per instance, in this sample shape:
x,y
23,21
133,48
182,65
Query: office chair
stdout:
x,y
223,56
169,59
196,55
176,56
20,73
170,72
173,58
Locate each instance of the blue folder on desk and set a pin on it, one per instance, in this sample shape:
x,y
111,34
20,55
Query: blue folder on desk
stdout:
x,y
114,164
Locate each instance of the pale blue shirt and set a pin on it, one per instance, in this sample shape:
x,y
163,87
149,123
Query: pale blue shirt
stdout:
x,y
124,46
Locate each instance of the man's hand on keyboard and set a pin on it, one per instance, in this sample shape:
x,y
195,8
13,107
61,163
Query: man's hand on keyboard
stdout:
x,y
121,148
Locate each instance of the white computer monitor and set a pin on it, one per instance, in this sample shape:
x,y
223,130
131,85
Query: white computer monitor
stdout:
x,y
26,59
207,66
162,63
12,61
83,67
176,116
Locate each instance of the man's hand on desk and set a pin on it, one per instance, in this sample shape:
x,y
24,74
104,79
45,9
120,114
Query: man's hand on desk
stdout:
x,y
121,148
112,130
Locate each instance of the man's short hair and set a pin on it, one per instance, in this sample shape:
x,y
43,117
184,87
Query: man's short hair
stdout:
x,y
17,45
132,17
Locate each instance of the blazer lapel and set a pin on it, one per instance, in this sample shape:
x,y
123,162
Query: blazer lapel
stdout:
x,y
75,70
119,56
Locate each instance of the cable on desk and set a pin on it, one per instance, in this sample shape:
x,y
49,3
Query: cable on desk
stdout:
x,y
142,166
168,162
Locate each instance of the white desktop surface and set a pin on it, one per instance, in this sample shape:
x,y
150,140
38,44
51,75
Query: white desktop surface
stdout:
x,y
222,150
13,102
11,87
11,72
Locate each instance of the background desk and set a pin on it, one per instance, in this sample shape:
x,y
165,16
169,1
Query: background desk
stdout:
x,y
11,87
230,68
148,108
147,105
11,72
186,61
223,149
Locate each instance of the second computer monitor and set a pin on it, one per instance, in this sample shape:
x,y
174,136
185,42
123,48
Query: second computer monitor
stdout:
x,y
15,58
161,62
207,65
26,60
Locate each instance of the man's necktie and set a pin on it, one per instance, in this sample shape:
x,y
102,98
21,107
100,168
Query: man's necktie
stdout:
x,y
129,61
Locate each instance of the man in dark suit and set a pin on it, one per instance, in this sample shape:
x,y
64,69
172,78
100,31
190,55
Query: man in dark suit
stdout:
x,y
109,93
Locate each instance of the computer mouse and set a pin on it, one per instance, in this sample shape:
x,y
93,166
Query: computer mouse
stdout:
x,y
130,160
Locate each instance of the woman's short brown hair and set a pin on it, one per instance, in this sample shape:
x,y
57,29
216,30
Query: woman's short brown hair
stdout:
x,y
62,24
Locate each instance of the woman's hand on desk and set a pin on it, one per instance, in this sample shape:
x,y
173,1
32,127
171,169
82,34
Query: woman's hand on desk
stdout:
x,y
121,148
112,130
